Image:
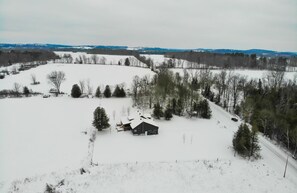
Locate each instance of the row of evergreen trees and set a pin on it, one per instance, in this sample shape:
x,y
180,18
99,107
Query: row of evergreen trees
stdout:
x,y
118,92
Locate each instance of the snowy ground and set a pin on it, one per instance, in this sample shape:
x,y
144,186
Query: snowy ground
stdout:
x,y
41,143
250,74
43,140
99,75
103,58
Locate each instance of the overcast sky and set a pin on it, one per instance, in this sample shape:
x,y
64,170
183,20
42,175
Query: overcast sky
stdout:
x,y
237,24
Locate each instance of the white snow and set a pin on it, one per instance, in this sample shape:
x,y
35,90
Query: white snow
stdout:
x,y
99,75
45,140
40,136
250,74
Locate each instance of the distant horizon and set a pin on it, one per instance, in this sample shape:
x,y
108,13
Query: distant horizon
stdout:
x,y
157,47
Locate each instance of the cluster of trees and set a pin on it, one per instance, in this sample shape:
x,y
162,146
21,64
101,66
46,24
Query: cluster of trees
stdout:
x,y
95,59
202,109
245,142
228,60
166,89
268,103
9,57
272,107
78,90
17,91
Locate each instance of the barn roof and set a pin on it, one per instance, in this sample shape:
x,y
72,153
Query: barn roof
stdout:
x,y
137,122
125,121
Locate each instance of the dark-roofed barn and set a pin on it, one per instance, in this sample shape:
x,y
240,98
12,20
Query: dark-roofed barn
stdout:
x,y
144,127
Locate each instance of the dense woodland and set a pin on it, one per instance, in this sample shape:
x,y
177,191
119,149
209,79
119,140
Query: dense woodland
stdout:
x,y
231,61
268,104
9,57
170,93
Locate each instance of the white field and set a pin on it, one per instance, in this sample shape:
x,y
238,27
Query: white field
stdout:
x,y
99,75
42,141
250,74
109,59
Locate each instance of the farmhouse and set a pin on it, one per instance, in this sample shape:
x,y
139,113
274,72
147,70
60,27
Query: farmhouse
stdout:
x,y
143,124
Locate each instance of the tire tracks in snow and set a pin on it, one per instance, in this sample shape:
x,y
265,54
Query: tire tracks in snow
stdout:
x,y
266,144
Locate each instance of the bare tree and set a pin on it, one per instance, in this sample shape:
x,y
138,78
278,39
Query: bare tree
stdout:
x,y
275,78
82,86
220,82
102,60
89,87
56,78
135,87
243,84
94,58
17,88
14,69
235,89
85,59
33,78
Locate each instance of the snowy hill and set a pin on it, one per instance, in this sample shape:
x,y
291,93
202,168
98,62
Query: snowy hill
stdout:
x,y
46,140
99,75
188,155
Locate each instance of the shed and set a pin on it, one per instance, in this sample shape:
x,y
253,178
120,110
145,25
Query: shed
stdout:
x,y
144,127
125,123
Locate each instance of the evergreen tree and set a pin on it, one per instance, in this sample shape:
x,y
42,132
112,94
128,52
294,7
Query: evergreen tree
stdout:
x,y
205,111
26,91
98,92
116,92
157,111
127,62
100,119
237,110
168,113
75,91
119,92
179,107
107,92
241,140
122,92
174,106
255,148
245,142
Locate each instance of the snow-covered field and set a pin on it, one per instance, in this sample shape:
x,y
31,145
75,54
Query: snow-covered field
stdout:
x,y
43,140
103,58
99,75
250,74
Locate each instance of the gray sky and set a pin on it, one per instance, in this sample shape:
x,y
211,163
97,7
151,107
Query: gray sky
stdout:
x,y
237,24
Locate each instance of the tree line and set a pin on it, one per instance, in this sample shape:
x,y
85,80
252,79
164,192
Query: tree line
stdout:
x,y
9,57
229,60
95,59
